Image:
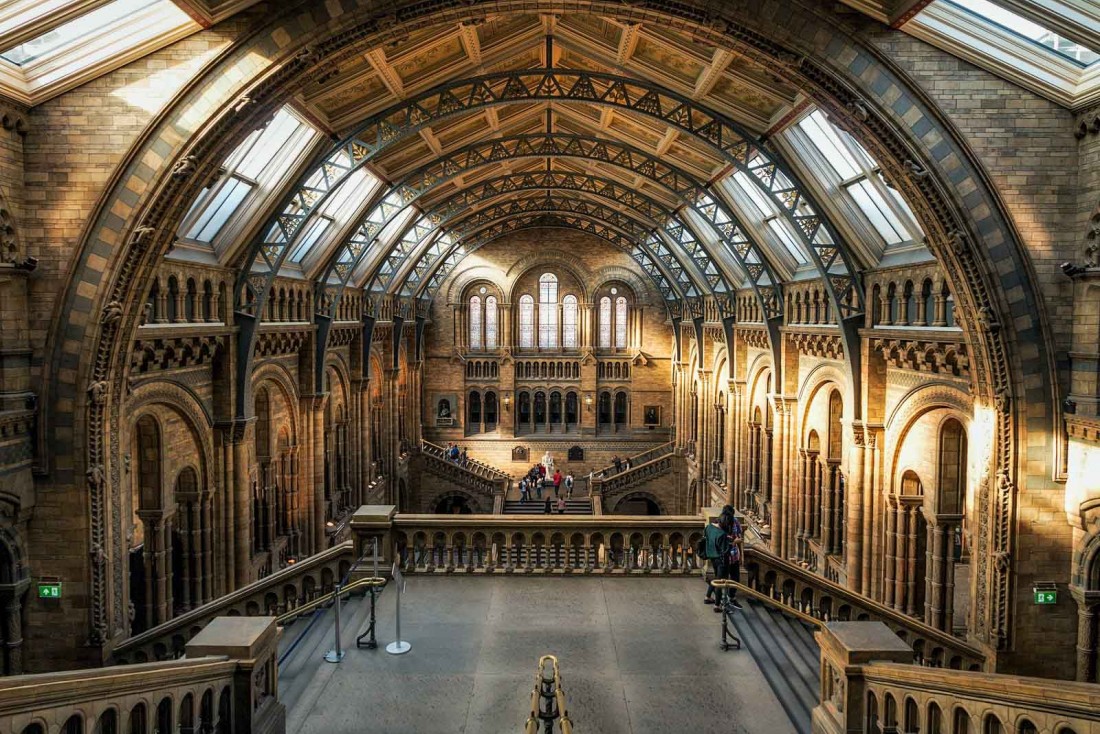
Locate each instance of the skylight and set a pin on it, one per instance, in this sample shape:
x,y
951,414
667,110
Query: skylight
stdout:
x,y
82,28
1021,26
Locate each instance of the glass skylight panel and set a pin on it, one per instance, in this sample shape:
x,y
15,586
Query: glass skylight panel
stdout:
x,y
87,25
268,145
825,138
350,194
878,212
789,241
763,204
221,207
316,229
1025,28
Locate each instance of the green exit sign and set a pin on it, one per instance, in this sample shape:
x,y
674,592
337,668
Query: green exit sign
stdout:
x,y
1046,596
51,590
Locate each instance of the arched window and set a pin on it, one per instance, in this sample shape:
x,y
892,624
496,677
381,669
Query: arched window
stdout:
x,y
620,408
475,322
569,322
540,408
548,311
524,408
490,410
474,410
526,322
571,407
935,719
555,408
961,725
952,467
620,323
910,484
605,323
492,334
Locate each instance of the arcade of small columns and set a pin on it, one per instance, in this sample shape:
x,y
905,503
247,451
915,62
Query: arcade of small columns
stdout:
x,y
878,505
217,503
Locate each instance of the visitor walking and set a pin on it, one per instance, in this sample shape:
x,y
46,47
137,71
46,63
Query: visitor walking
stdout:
x,y
717,552
546,507
618,463
736,534
557,482
561,505
465,457
569,485
523,490
538,482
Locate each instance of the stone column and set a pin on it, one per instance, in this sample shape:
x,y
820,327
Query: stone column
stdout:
x,y
208,591
13,627
1088,605
316,488
891,551
242,505
933,601
853,546
911,560
828,506
184,514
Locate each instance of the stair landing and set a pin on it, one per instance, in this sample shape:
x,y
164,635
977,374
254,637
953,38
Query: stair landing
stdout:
x,y
575,506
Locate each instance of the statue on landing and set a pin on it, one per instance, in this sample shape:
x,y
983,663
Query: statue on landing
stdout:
x,y
548,462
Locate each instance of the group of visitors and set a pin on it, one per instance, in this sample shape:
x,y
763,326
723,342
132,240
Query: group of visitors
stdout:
x,y
457,455
620,464
531,486
725,547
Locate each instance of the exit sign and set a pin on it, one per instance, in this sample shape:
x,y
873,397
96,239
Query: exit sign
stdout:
x,y
51,590
1046,596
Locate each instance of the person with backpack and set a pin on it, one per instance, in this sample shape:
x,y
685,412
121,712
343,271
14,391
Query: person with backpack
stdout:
x,y
523,490
569,485
736,534
715,545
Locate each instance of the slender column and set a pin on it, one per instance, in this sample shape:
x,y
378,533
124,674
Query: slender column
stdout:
x,y
901,556
891,551
162,306
804,502
933,604
1088,604
207,549
242,507
911,552
949,587
939,310
184,514
828,507
181,300
215,307
872,531
317,487
13,632
853,541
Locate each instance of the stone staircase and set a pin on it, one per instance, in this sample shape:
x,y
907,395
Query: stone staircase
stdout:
x,y
786,652
578,506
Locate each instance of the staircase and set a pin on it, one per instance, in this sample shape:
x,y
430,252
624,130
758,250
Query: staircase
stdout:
x,y
638,459
580,506
786,652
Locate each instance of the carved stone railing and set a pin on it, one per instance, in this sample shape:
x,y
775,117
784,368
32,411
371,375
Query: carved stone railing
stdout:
x,y
638,459
471,466
808,592
610,487
273,595
227,683
547,544
866,687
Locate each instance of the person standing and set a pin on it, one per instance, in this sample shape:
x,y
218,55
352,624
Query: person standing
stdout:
x,y
717,551
523,490
618,463
557,482
561,505
465,457
538,483
546,507
736,535
569,485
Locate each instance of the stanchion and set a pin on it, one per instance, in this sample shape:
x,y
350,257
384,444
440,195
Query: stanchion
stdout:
x,y
367,639
730,641
337,654
398,646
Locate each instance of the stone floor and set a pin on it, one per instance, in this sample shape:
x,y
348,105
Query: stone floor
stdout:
x,y
636,655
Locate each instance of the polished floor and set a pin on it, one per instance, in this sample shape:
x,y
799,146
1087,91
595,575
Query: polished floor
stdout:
x,y
638,656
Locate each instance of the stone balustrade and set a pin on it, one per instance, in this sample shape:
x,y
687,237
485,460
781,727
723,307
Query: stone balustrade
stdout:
x,y
809,592
227,683
274,595
638,459
868,685
613,486
550,544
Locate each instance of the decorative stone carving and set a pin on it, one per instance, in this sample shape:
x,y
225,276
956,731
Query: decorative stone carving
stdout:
x,y
915,169
97,392
112,313
185,167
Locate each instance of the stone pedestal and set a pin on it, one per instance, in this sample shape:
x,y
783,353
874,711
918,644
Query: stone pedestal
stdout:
x,y
252,643
370,522
845,648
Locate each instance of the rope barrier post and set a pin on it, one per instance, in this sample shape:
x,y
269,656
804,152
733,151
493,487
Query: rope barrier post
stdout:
x,y
337,654
398,646
730,641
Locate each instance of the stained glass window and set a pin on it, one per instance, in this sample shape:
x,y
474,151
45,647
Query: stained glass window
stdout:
x,y
548,311
605,323
475,322
620,323
492,338
526,322
569,322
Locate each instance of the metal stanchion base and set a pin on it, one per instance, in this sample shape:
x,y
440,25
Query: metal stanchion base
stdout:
x,y
400,647
334,656
730,641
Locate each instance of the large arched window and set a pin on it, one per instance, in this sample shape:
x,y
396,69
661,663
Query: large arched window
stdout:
x,y
526,322
620,323
952,472
492,333
475,322
548,311
569,322
605,323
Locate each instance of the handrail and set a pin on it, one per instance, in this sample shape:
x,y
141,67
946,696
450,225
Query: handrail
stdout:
x,y
639,459
883,612
488,472
551,690
780,606
328,598
275,580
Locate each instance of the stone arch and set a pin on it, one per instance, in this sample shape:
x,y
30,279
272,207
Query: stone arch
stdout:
x,y
910,409
883,110
546,262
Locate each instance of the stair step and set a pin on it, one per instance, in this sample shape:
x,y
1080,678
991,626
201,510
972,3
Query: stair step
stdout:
x,y
783,655
538,507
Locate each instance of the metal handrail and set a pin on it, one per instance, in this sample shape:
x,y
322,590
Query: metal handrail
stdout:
x,y
560,712
785,608
328,598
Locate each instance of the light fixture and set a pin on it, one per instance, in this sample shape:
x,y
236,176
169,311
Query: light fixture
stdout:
x,y
330,524
588,400
507,401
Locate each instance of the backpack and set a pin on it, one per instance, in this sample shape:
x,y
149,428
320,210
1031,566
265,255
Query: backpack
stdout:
x,y
701,548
